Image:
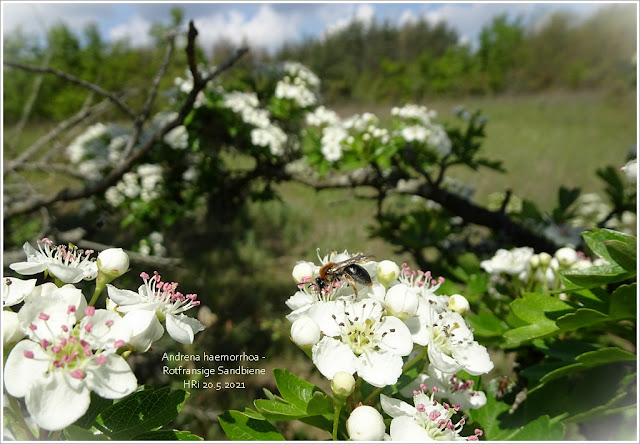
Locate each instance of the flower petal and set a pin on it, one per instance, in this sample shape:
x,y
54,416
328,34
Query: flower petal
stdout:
x,y
474,358
28,268
113,379
404,428
379,369
145,328
441,360
182,328
15,292
396,407
332,356
107,327
20,372
328,316
392,335
123,297
57,400
69,275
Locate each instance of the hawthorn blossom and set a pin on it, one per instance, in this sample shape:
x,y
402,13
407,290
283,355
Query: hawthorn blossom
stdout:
x,y
514,262
162,299
69,264
360,340
365,424
448,386
70,351
426,420
15,290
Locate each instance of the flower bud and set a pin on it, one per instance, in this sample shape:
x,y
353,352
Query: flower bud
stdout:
x,y
305,331
343,384
534,261
566,257
401,301
388,271
365,424
301,271
113,262
11,332
545,259
459,304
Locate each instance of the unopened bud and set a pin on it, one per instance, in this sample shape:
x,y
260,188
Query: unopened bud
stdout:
x,y
11,332
566,257
545,259
401,301
301,271
343,384
365,424
112,263
388,271
305,331
459,304
534,261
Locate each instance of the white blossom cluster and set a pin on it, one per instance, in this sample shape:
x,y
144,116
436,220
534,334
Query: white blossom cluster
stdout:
x,y
523,266
322,116
374,330
145,183
265,133
97,148
417,125
153,246
297,90
61,347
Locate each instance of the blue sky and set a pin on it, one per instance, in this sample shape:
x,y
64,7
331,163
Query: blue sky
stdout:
x,y
267,24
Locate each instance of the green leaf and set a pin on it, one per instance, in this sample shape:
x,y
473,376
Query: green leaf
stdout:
x,y
168,435
582,317
596,276
623,302
489,417
278,411
295,390
486,325
535,309
141,411
75,433
97,405
622,253
596,238
605,356
540,429
240,427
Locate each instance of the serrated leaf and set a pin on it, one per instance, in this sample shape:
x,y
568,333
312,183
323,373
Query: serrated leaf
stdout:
x,y
239,427
168,435
141,411
622,253
295,390
520,335
320,404
540,429
532,307
623,302
582,317
253,414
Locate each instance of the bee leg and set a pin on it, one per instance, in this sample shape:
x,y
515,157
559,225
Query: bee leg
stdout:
x,y
352,283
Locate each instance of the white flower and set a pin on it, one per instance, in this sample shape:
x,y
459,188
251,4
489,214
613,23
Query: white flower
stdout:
x,y
365,424
322,116
270,136
305,331
303,271
15,290
343,384
426,420
630,170
514,262
58,366
414,133
145,328
163,299
447,386
70,265
451,346
332,138
113,262
177,138
367,343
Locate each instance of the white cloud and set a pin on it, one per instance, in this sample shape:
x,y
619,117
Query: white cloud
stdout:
x,y
135,31
267,28
363,14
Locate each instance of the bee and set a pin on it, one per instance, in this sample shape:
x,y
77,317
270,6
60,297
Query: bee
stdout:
x,y
348,270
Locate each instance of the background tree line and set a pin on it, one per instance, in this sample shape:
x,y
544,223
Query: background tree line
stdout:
x,y
370,62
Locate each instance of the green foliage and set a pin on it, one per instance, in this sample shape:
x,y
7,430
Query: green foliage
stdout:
x,y
143,415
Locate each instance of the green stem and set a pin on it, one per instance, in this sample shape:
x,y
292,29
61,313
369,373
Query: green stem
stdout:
x,y
17,415
338,403
99,287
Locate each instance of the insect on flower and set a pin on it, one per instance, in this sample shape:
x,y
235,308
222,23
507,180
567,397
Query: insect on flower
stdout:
x,y
332,274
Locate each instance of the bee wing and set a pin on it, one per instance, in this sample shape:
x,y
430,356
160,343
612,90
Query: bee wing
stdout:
x,y
353,260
